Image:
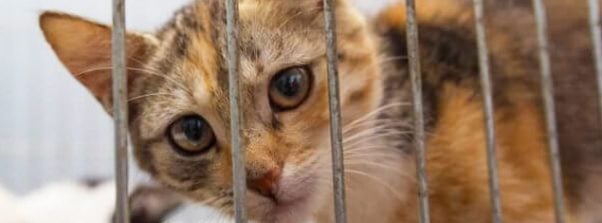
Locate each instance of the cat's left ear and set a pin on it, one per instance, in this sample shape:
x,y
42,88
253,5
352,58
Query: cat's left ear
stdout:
x,y
84,47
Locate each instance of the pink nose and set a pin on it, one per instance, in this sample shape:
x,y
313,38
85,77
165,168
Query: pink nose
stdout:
x,y
266,184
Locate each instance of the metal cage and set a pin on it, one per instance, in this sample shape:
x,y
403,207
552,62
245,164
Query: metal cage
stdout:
x,y
120,107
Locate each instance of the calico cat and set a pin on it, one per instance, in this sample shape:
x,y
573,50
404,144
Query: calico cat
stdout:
x,y
179,122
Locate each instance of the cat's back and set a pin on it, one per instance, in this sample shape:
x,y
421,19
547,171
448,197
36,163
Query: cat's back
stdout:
x,y
577,103
456,143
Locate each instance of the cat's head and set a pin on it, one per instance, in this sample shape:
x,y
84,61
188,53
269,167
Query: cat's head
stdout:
x,y
179,107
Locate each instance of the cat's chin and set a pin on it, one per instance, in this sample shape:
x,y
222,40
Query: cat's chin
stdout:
x,y
294,211
272,211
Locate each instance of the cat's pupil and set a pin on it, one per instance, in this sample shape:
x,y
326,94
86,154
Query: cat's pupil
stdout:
x,y
193,128
289,88
191,135
289,83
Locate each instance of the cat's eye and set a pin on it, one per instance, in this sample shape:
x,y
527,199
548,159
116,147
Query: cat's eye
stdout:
x,y
289,88
191,135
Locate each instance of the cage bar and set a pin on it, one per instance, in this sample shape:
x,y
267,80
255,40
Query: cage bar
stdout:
x,y
485,76
238,159
594,22
120,111
414,66
547,88
338,169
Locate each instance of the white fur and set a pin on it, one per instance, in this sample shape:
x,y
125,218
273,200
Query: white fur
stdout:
x,y
66,202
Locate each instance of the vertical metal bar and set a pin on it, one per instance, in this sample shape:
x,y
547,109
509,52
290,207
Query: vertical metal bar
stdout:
x,y
548,97
336,142
594,22
238,159
120,111
485,74
414,62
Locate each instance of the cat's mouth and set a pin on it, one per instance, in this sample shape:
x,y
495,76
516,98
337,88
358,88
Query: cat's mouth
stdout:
x,y
291,202
284,207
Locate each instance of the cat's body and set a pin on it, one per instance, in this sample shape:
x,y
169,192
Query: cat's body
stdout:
x,y
450,69
179,109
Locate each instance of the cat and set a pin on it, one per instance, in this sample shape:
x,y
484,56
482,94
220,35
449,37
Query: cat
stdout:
x,y
179,108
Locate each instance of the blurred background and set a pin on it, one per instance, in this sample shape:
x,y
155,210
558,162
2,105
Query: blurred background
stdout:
x,y
51,129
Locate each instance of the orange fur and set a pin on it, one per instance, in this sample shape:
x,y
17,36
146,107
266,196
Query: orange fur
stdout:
x,y
456,154
457,162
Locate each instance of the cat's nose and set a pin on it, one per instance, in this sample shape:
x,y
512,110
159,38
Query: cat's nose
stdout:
x,y
266,184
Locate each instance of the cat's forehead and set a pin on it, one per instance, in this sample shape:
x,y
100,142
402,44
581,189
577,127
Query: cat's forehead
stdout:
x,y
193,43
269,30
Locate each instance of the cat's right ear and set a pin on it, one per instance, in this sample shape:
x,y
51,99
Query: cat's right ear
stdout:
x,y
84,47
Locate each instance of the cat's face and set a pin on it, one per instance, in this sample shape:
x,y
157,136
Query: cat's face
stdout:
x,y
179,107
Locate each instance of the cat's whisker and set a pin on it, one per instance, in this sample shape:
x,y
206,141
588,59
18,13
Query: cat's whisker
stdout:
x,y
360,143
377,145
380,167
377,124
211,200
373,131
149,95
374,135
328,180
377,180
87,71
375,151
373,157
378,153
350,137
223,215
381,159
377,119
376,111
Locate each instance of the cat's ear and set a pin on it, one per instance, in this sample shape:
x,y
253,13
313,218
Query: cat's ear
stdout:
x,y
84,47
